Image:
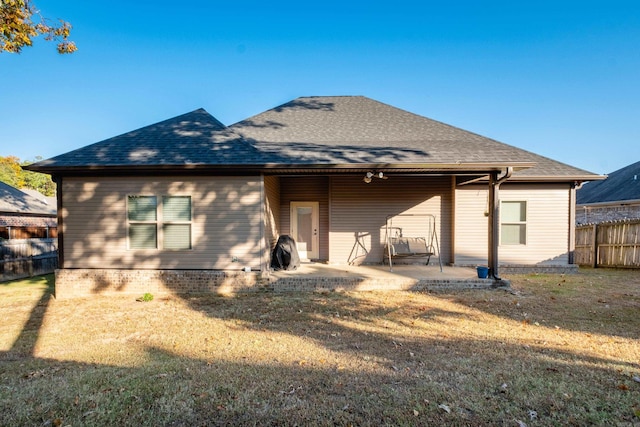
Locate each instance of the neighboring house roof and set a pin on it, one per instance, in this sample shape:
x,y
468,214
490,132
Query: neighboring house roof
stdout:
x,y
621,185
51,201
335,133
14,201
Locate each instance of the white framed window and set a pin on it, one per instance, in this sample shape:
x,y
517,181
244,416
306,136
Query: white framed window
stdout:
x,y
154,223
513,222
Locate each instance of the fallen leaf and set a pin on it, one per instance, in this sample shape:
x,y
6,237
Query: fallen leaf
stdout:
x,y
416,413
445,408
623,387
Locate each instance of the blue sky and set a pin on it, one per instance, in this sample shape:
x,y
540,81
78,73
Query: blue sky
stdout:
x,y
559,78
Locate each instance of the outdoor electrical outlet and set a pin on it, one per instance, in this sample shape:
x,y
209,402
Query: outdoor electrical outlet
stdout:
x,y
234,259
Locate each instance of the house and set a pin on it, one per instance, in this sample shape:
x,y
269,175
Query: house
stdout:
x,y
614,199
48,200
23,216
189,201
28,231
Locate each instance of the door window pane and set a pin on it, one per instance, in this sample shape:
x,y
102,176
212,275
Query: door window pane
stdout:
x,y
305,227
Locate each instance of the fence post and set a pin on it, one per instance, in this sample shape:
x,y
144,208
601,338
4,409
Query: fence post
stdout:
x,y
594,245
30,259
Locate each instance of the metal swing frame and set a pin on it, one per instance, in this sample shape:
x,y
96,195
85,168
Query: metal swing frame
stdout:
x,y
399,246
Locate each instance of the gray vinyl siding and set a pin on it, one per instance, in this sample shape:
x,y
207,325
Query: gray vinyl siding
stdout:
x,y
226,222
547,238
306,189
359,211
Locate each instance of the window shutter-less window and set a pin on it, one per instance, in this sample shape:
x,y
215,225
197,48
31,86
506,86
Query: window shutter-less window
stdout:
x,y
142,216
513,217
176,218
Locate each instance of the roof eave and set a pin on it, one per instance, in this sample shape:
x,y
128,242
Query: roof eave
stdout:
x,y
555,178
269,167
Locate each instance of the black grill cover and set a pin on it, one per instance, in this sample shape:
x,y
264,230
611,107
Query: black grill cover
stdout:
x,y
285,255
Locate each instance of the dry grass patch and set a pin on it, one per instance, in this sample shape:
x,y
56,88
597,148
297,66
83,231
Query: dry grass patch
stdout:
x,y
555,350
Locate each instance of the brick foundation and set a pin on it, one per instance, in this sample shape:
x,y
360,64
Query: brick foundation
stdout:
x,y
88,282
71,283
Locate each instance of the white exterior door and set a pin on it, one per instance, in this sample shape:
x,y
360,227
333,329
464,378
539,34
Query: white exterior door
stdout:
x,y
304,228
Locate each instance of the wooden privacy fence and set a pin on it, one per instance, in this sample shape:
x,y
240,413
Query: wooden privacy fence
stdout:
x,y
611,244
27,257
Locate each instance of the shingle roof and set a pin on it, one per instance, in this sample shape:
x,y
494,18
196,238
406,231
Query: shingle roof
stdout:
x,y
309,132
15,201
359,129
190,139
623,184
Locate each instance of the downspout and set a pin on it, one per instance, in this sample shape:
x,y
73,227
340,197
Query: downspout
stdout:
x,y
494,219
263,234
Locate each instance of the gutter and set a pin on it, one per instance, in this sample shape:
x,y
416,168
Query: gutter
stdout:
x,y
274,167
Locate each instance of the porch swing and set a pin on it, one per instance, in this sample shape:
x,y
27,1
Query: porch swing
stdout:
x,y
399,246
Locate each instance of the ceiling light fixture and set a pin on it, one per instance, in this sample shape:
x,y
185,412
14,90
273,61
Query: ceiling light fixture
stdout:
x,y
368,177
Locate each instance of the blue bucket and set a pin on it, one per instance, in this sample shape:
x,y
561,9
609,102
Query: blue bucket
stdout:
x,y
483,272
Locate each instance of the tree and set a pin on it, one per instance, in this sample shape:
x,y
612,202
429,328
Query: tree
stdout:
x,y
20,22
38,181
11,173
